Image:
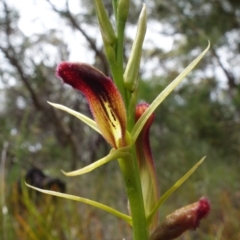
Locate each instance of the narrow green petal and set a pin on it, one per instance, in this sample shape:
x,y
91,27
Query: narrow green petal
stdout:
x,y
141,122
114,154
78,115
173,189
114,212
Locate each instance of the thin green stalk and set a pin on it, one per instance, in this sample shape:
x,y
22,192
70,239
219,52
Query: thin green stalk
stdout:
x,y
118,75
122,12
116,67
128,165
131,177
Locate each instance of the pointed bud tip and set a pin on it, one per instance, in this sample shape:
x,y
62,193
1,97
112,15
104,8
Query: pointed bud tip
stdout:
x,y
64,71
140,109
79,74
181,220
60,67
203,210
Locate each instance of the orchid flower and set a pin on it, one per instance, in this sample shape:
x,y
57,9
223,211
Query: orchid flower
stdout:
x,y
104,99
125,126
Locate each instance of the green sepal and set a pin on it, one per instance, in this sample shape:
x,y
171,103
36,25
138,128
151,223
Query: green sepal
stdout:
x,y
91,123
132,69
106,208
114,154
170,191
159,99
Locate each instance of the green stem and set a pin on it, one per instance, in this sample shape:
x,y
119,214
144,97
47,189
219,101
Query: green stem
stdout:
x,y
131,177
119,61
115,59
128,165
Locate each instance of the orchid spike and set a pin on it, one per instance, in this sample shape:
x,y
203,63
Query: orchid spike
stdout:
x,y
147,166
105,101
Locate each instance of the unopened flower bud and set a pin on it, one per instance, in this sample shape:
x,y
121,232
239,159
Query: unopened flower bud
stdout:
x,y
122,11
181,220
132,68
107,30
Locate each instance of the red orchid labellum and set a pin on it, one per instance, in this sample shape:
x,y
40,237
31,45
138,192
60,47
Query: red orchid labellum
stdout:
x,y
105,101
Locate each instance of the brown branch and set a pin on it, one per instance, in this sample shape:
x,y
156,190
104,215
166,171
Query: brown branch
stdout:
x,y
231,79
11,54
15,63
68,15
63,132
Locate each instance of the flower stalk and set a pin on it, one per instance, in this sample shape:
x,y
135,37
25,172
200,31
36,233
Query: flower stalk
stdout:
x,y
134,192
